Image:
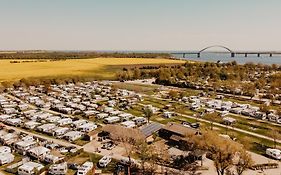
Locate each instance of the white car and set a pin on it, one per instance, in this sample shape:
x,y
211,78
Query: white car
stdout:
x,y
127,161
104,161
274,153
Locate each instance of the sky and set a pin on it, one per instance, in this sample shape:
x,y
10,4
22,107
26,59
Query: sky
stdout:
x,y
161,25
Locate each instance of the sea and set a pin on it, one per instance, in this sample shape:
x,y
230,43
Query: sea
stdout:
x,y
226,57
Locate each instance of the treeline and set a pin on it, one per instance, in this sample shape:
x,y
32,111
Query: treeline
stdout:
x,y
79,55
230,76
46,81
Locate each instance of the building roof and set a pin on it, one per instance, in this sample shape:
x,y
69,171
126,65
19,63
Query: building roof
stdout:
x,y
148,130
39,150
25,143
59,166
31,165
179,129
229,119
72,133
4,156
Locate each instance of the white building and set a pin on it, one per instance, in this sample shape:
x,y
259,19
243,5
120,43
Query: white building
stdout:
x,y
140,120
73,135
78,123
46,127
50,158
102,115
29,167
58,169
60,131
85,168
88,127
111,120
64,121
14,121
39,152
23,146
129,124
4,117
5,149
6,158
31,124
6,138
53,119
90,113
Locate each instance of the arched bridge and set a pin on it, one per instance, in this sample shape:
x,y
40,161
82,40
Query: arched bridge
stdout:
x,y
232,53
215,46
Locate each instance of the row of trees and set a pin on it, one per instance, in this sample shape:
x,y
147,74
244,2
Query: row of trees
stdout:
x,y
77,55
231,76
226,154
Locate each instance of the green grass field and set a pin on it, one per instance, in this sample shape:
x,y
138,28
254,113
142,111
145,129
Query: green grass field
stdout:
x,y
100,68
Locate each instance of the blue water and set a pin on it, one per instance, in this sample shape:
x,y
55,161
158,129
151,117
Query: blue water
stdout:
x,y
226,57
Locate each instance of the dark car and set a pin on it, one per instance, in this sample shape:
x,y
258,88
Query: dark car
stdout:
x,y
73,166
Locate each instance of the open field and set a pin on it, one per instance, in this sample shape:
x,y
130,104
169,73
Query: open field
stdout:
x,y
99,68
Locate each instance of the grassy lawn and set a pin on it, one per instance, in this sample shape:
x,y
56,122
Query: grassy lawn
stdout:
x,y
80,142
154,102
251,143
100,68
135,110
139,88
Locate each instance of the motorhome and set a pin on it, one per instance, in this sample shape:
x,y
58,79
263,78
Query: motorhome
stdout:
x,y
274,153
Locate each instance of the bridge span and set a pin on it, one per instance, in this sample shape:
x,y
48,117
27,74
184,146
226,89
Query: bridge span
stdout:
x,y
231,52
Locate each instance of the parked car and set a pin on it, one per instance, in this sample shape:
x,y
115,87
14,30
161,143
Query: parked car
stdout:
x,y
73,166
127,161
108,145
274,153
104,161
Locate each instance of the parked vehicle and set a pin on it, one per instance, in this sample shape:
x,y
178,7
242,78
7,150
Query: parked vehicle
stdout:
x,y
73,166
104,161
274,153
127,161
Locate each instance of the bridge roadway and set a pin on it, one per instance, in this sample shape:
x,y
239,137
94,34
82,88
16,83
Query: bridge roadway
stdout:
x,y
232,53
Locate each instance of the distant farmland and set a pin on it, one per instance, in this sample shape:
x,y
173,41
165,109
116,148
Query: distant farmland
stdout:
x,y
100,68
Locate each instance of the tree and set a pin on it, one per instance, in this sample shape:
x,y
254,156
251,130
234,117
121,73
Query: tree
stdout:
x,y
127,136
244,162
214,116
264,108
160,154
145,154
148,112
249,89
222,151
173,94
137,73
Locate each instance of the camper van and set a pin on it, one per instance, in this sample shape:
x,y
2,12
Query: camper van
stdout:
x,y
274,153
85,168
111,120
104,161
